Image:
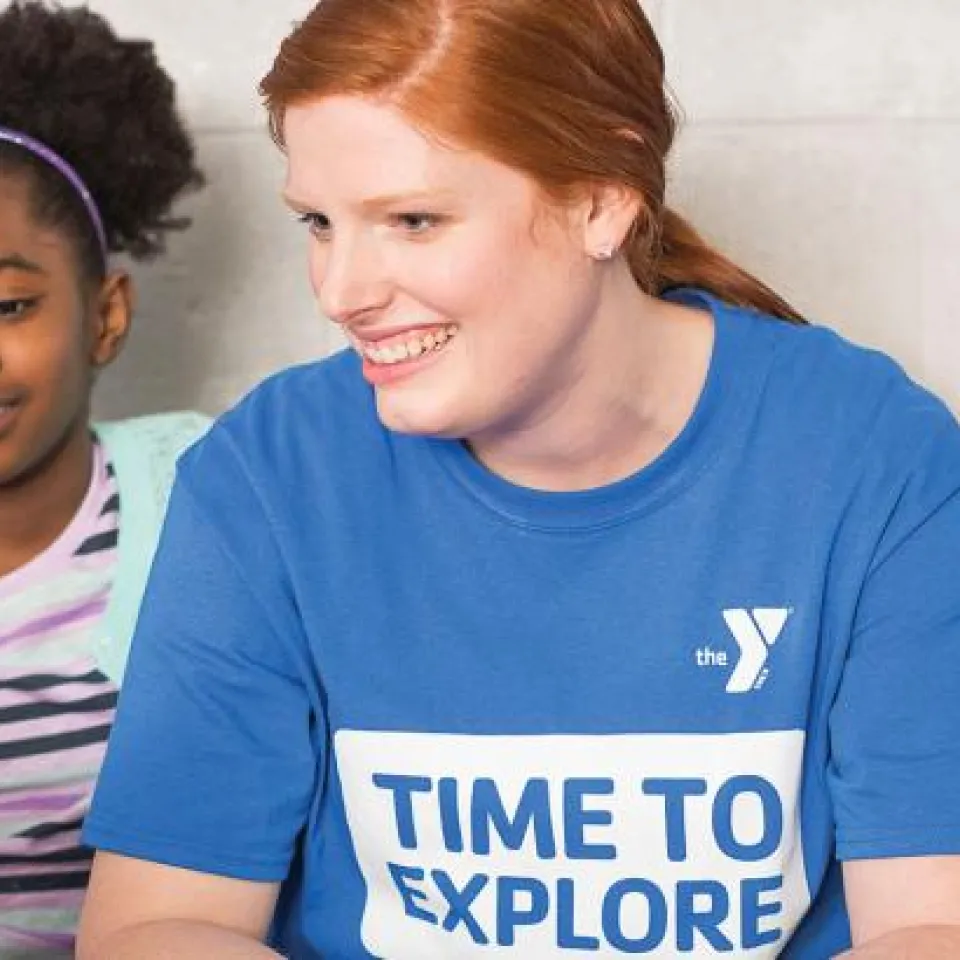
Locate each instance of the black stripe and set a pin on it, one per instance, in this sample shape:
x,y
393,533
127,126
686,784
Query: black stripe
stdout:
x,y
36,711
111,506
58,741
44,681
43,830
99,541
41,883
72,855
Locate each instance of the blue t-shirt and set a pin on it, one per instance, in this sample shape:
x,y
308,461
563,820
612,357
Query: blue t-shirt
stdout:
x,y
464,719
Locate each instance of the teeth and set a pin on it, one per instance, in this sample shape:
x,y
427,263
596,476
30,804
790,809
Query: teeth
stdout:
x,y
412,348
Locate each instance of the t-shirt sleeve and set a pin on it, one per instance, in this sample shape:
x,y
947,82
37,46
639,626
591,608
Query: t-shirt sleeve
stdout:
x,y
895,725
213,758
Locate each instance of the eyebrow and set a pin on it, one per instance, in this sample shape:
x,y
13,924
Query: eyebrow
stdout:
x,y
376,204
16,262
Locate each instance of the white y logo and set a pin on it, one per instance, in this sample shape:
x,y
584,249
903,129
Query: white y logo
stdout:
x,y
755,631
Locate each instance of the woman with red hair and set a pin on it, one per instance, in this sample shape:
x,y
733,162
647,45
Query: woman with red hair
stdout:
x,y
591,602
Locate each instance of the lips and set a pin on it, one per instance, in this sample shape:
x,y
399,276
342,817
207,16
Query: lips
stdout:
x,y
407,346
400,355
9,408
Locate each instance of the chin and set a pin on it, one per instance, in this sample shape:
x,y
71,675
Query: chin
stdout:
x,y
14,472
417,419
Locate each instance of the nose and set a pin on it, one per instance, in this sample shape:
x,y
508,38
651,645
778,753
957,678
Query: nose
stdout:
x,y
348,278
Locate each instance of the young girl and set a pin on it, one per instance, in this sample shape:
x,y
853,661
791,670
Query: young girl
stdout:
x,y
590,605
92,154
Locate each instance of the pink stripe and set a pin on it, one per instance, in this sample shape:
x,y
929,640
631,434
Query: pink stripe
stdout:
x,y
54,621
26,847
50,562
45,900
15,937
42,650
100,560
78,666
46,802
53,726
105,523
66,693
31,869
38,654
65,762
14,828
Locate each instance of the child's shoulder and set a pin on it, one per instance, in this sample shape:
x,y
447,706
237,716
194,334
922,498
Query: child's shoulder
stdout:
x,y
144,451
157,434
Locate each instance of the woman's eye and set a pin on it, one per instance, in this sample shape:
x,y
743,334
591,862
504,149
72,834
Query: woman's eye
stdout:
x,y
317,223
416,222
12,309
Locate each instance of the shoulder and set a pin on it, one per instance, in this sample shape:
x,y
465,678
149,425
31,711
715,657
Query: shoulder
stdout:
x,y
833,398
162,436
304,426
330,393
144,452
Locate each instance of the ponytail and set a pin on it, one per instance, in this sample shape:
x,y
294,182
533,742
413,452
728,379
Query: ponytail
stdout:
x,y
679,256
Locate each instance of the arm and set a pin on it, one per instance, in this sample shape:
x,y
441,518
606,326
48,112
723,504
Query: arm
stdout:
x,y
895,723
137,910
211,766
887,924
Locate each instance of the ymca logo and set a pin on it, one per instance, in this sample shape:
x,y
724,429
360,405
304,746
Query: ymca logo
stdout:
x,y
755,632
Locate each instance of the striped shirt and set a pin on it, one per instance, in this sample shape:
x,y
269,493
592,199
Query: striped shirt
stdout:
x,y
56,708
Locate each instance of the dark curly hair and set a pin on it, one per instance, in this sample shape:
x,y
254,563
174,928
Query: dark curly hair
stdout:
x,y
108,108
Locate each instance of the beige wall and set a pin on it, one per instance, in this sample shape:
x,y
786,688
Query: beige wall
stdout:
x,y
821,148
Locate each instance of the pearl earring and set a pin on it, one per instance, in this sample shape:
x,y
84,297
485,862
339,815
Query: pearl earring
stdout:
x,y
605,252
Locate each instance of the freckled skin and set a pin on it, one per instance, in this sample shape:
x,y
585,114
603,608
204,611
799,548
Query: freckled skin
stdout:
x,y
562,373
487,266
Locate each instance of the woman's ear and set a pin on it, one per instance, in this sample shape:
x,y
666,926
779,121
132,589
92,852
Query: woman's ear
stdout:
x,y
112,316
612,212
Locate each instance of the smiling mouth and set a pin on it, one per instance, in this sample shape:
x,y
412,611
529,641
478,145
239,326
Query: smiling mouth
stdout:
x,y
8,412
407,347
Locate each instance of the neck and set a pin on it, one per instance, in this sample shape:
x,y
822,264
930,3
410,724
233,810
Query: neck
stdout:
x,y
37,508
628,390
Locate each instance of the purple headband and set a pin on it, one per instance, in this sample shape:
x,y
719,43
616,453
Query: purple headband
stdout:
x,y
42,151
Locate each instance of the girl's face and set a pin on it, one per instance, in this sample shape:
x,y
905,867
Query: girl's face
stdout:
x,y
470,302
51,339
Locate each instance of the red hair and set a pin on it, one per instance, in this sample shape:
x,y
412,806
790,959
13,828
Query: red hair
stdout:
x,y
570,92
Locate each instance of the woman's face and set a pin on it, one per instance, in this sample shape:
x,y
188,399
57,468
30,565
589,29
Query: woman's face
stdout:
x,y
53,335
467,298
